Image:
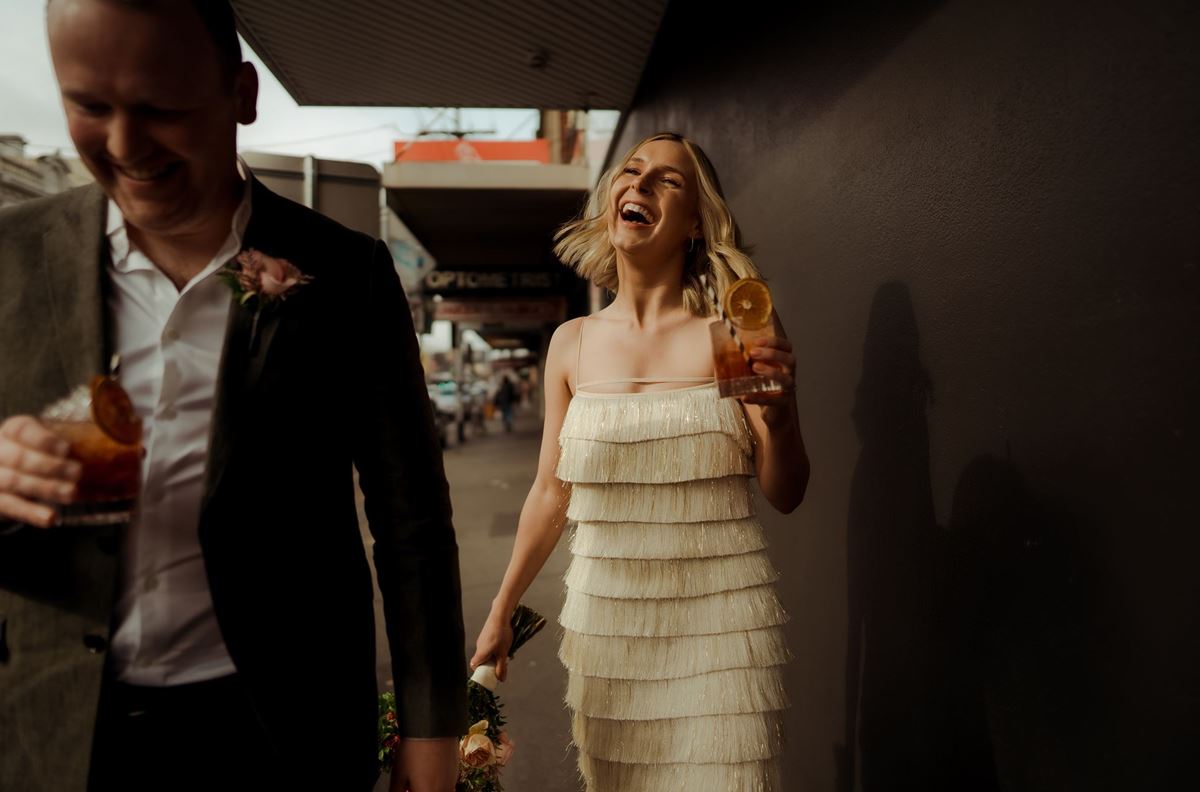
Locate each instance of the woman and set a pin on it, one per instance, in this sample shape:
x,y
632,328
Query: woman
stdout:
x,y
672,639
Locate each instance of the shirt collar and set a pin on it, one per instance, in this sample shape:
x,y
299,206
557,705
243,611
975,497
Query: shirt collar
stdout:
x,y
120,247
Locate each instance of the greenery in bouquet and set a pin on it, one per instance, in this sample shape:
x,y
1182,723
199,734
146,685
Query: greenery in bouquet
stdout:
x,y
485,749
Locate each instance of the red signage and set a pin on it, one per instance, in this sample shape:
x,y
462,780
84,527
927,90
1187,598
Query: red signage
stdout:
x,y
473,151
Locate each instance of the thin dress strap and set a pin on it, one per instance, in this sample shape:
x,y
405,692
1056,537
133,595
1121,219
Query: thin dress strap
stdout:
x,y
579,351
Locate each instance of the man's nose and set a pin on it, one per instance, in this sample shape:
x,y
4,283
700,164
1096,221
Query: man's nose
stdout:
x,y
128,141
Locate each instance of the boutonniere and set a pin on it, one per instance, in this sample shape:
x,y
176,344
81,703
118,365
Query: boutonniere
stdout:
x,y
259,280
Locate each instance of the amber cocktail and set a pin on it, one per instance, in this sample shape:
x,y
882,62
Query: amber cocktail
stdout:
x,y
747,307
106,439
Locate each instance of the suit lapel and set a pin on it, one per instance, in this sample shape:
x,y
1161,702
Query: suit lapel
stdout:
x,y
261,234
74,249
247,344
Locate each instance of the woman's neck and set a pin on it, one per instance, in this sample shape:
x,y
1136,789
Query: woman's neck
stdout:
x,y
648,293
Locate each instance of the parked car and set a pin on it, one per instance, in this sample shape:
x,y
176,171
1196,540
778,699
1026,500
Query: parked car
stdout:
x,y
444,395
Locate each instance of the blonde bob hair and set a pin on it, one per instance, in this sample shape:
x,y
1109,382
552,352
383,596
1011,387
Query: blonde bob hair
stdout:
x,y
584,245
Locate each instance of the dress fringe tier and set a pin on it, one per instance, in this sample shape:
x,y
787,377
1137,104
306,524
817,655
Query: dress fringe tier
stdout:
x,y
672,628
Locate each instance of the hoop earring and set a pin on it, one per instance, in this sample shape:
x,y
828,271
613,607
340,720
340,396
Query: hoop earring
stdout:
x,y
691,244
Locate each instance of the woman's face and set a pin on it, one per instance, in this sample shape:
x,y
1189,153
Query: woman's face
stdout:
x,y
653,207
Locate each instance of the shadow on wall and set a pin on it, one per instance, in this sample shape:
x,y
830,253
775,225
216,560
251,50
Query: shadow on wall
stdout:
x,y
963,651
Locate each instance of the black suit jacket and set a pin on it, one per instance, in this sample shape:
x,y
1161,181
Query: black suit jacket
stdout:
x,y
327,381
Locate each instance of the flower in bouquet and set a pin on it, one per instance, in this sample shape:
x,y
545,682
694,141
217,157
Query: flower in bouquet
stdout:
x,y
486,747
476,749
504,749
389,733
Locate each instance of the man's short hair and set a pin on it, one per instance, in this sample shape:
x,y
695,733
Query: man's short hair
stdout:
x,y
218,19
221,25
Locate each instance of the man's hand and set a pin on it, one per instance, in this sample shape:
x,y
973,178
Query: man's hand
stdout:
x,y
425,765
34,467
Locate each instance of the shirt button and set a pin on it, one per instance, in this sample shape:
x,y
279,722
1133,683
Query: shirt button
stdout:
x,y
171,334
150,584
168,414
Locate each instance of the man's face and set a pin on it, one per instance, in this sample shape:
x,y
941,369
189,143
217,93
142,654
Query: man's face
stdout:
x,y
149,109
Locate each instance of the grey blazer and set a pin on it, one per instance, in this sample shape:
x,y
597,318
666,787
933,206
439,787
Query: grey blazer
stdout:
x,y
330,381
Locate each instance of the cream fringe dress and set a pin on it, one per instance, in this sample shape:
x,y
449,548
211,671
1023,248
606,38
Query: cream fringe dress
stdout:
x,y
672,638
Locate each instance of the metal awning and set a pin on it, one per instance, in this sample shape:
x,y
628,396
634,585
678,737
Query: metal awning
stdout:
x,y
533,53
486,215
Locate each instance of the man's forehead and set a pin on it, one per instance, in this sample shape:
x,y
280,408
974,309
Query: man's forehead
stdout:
x,y
175,21
141,5
87,31
147,34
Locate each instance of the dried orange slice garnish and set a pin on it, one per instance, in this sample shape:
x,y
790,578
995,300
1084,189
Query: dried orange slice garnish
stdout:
x,y
112,410
748,304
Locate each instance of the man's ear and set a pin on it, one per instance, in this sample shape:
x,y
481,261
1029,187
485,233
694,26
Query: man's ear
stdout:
x,y
246,92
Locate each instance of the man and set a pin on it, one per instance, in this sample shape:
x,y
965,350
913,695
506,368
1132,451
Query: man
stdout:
x,y
225,638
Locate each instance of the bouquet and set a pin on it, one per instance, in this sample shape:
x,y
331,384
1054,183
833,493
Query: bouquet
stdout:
x,y
485,749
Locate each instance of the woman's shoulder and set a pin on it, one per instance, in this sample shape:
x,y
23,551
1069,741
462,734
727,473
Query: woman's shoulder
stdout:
x,y
571,325
560,356
567,333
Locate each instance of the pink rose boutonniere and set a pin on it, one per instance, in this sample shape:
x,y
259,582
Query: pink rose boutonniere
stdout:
x,y
262,279
257,276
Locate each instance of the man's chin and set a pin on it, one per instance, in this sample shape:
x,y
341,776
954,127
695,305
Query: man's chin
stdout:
x,y
151,217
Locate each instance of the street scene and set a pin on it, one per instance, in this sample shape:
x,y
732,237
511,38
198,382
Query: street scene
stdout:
x,y
873,391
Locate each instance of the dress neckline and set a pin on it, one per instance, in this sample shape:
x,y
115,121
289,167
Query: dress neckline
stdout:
x,y
658,392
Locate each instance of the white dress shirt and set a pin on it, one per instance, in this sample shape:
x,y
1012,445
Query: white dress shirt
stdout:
x,y
170,343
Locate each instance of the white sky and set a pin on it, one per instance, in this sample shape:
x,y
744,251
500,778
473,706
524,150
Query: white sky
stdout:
x,y
29,106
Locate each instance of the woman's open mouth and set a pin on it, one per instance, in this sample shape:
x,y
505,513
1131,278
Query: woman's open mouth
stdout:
x,y
637,214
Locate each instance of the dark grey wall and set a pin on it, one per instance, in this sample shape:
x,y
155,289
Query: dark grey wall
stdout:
x,y
980,221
